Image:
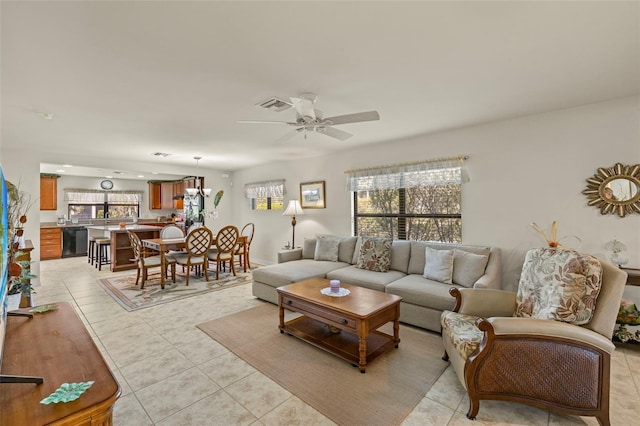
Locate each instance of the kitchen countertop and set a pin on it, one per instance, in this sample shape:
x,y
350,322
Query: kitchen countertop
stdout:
x,y
75,225
117,228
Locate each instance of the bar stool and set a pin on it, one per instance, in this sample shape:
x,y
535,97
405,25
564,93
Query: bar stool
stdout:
x,y
102,252
91,254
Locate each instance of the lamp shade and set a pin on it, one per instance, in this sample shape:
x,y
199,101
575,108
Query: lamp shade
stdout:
x,y
293,209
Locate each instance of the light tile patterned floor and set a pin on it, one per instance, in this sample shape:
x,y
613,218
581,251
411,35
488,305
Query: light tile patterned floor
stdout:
x,y
173,374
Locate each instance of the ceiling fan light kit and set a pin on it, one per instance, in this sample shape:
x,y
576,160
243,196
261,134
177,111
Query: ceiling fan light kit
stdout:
x,y
309,119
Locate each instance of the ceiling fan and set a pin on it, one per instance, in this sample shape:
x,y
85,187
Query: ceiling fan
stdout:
x,y
309,119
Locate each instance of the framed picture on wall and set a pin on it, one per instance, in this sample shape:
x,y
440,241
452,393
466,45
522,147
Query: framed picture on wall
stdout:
x,y
312,195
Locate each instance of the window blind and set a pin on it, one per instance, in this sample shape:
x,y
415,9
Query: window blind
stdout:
x,y
437,172
270,188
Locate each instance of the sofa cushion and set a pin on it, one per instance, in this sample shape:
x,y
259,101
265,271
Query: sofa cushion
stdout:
x,y
438,265
400,255
417,290
309,248
461,330
468,267
289,272
365,278
559,285
375,254
346,248
327,249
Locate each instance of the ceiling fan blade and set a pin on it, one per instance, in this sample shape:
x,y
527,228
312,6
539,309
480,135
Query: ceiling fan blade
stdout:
x,y
352,118
334,133
287,136
267,122
304,107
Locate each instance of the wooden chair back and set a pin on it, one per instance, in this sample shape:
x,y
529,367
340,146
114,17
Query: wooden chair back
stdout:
x,y
199,241
226,240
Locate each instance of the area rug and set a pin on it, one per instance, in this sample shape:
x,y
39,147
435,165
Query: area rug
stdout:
x,y
132,298
392,386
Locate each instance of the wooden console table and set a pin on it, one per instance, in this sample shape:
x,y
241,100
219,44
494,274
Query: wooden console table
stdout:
x,y
57,347
634,276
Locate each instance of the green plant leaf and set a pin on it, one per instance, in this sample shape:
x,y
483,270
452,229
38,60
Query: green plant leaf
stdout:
x,y
67,392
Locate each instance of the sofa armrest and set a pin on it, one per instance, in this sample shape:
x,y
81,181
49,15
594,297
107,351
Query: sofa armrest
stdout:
x,y
547,328
289,255
483,302
493,271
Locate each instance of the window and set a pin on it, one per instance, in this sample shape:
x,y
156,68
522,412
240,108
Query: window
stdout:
x,y
268,195
418,201
91,204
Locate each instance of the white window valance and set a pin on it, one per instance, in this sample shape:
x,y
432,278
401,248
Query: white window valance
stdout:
x,y
94,196
270,188
437,172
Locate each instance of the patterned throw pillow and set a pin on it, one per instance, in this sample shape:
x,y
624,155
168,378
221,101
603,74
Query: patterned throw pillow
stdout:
x,y
558,284
375,254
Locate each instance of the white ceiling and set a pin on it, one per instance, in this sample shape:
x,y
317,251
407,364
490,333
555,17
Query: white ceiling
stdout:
x,y
126,79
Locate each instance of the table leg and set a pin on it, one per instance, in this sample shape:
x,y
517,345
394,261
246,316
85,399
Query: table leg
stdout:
x,y
281,316
163,267
396,332
362,351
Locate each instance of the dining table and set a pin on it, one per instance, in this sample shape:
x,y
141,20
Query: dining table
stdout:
x,y
162,245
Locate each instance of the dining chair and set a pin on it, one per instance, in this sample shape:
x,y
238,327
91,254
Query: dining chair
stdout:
x,y
144,261
225,246
197,244
171,231
242,248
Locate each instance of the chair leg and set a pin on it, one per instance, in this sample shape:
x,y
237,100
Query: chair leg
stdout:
x,y
144,277
188,273
137,275
218,270
173,272
205,266
233,268
474,407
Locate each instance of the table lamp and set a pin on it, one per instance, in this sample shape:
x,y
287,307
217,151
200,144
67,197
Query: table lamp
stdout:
x,y
294,208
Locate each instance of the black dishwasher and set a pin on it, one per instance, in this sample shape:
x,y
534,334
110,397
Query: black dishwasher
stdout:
x,y
74,241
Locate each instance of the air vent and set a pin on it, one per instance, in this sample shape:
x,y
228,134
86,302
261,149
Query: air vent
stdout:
x,y
161,154
275,104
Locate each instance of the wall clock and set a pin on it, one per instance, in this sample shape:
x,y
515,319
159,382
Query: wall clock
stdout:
x,y
106,184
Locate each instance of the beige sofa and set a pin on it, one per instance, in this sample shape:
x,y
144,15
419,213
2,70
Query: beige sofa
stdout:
x,y
423,299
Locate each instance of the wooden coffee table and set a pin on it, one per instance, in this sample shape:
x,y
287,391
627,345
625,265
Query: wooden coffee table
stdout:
x,y
344,326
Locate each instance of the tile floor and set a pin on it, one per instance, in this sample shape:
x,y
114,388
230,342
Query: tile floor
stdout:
x,y
173,374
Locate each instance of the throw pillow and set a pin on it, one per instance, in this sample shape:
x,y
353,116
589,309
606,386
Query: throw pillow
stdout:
x,y
327,249
438,265
468,267
375,254
560,285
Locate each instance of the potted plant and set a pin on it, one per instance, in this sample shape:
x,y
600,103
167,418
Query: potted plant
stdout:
x,y
19,202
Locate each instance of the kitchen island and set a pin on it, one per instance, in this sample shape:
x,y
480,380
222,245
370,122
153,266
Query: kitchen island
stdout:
x,y
121,253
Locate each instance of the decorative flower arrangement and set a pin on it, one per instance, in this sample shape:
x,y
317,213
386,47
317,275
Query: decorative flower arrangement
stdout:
x,y
628,313
552,240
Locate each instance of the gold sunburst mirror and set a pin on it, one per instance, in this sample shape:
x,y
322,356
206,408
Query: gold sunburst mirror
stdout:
x,y
615,190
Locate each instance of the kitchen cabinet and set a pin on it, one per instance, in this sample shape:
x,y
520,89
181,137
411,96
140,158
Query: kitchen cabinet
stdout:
x,y
50,243
162,194
167,195
178,190
155,196
48,193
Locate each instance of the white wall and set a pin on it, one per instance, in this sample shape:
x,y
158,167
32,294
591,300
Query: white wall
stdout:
x,y
524,170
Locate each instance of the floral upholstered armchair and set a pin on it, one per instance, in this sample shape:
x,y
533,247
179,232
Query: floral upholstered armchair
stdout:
x,y
549,345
